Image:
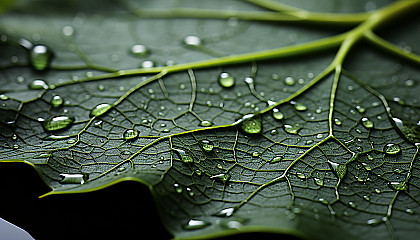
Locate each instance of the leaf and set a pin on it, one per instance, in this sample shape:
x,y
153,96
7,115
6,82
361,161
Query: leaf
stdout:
x,y
239,116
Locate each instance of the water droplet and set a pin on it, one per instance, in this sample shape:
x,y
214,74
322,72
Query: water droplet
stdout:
x,y
57,101
190,192
207,145
100,109
139,50
378,191
227,212
67,31
178,188
40,57
184,156
101,87
58,123
130,134
276,159
206,123
398,186
409,83
360,109
319,136
292,129
367,123
38,84
337,122
194,224
226,80
255,154
374,221
277,114
192,41
323,201
224,177
14,137
289,81
319,181
352,204
365,197
392,148
409,211
367,166
338,169
4,97
299,106
301,175
148,64
273,132
251,124
73,178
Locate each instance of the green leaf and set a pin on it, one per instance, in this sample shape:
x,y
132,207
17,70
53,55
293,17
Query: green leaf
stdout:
x,y
240,116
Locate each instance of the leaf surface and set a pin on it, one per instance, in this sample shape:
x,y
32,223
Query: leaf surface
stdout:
x,y
239,116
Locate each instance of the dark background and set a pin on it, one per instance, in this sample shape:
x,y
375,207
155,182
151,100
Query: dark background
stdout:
x,y
125,210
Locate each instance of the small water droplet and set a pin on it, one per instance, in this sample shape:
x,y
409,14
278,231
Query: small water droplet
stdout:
x,y
148,64
276,159
206,123
292,129
360,109
277,114
251,124
226,80
409,211
58,123
289,81
67,31
323,201
319,136
299,106
392,148
101,87
100,109
409,83
337,122
352,204
190,192
40,57
255,154
184,156
4,97
73,178
192,41
365,197
38,84
178,188
57,101
139,50
378,191
319,181
227,212
224,177
301,175
207,145
374,221
367,123
130,134
274,132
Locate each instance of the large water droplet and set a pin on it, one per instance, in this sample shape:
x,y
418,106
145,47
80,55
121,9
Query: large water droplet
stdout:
x,y
251,124
367,123
139,50
292,129
38,84
338,169
100,109
130,134
226,80
73,178
398,186
40,57
184,156
289,81
207,145
194,224
192,41
277,114
57,101
58,123
392,148
227,212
